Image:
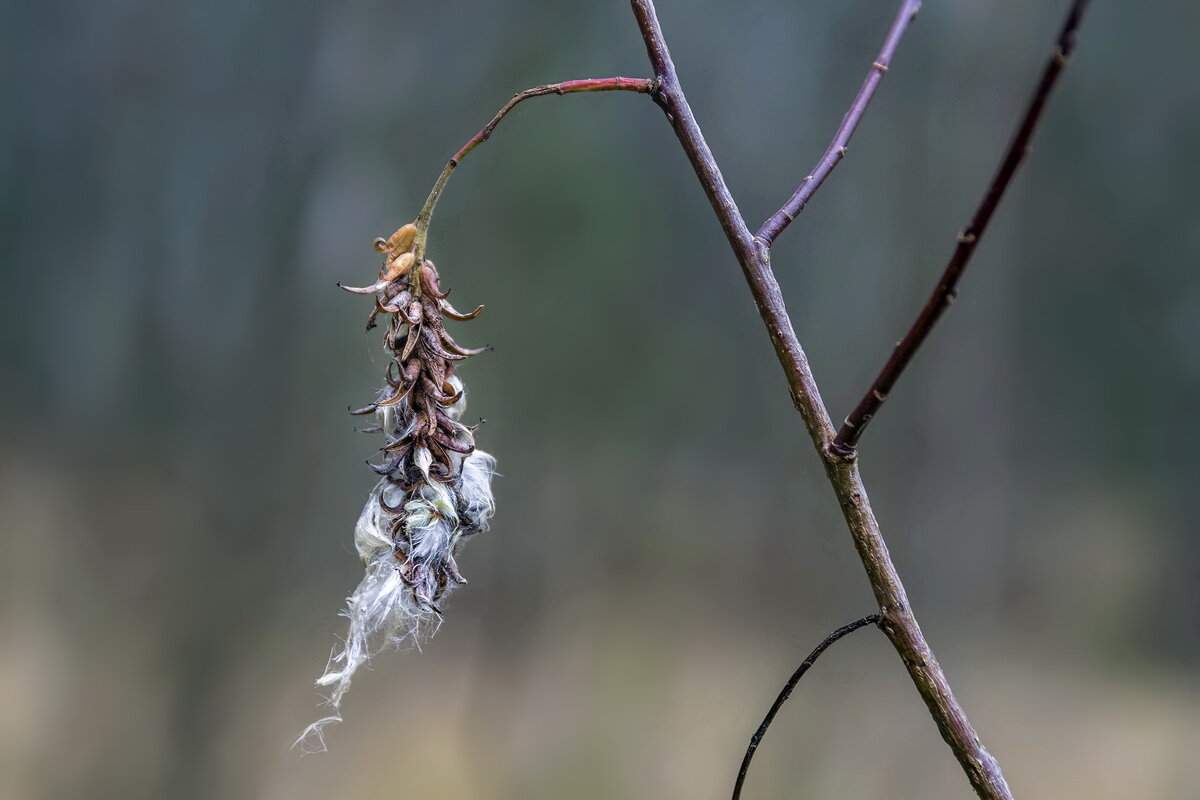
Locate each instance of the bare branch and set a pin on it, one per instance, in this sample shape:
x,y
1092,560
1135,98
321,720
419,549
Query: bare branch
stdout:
x,y
756,739
751,254
947,288
837,148
896,617
642,85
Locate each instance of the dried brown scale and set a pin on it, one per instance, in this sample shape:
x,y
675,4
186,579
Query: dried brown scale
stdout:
x,y
448,424
433,343
403,299
440,457
433,322
430,413
453,573
409,344
388,466
448,443
447,342
429,281
401,393
448,400
453,313
413,312
400,445
431,388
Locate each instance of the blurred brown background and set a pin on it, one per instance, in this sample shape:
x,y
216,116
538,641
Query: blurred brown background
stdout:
x,y
185,182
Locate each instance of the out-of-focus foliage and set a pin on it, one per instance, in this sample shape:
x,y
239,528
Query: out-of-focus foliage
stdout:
x,y
183,183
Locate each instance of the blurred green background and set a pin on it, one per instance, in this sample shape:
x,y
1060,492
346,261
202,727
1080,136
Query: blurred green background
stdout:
x,y
185,182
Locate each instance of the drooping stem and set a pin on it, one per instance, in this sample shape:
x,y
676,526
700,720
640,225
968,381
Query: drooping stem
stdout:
x,y
837,148
643,85
968,239
896,616
756,739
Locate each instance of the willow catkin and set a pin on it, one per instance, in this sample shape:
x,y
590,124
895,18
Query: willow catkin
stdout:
x,y
434,489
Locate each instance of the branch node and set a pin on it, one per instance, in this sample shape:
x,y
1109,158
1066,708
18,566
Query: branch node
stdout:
x,y
841,453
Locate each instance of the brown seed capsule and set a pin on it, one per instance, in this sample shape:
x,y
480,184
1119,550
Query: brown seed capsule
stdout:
x,y
402,240
453,313
397,267
429,281
414,313
410,343
396,398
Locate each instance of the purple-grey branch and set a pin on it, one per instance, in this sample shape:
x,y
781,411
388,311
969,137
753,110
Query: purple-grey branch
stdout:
x,y
837,148
896,617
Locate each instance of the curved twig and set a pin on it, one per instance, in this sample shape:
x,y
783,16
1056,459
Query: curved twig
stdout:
x,y
947,288
786,692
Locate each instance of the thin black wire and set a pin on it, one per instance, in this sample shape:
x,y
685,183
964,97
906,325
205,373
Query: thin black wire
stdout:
x,y
870,619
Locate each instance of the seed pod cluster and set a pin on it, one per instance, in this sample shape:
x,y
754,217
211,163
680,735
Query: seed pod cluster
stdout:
x,y
434,489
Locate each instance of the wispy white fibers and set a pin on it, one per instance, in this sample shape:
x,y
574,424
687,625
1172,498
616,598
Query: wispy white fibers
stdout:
x,y
408,554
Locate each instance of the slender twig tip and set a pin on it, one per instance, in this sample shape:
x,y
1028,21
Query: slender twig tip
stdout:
x,y
756,739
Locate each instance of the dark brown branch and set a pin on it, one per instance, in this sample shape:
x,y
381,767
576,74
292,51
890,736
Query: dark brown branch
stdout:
x,y
837,148
642,85
947,288
756,739
896,617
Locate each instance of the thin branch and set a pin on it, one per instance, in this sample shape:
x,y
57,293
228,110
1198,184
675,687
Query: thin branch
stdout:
x,y
947,288
642,85
751,254
756,739
837,149
896,618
